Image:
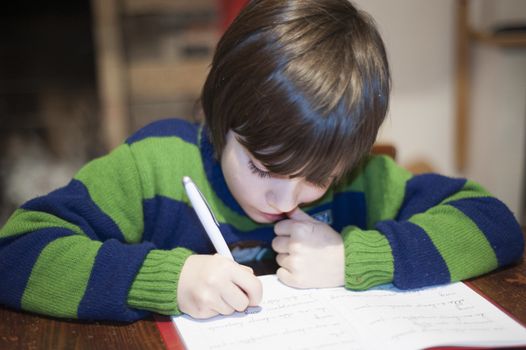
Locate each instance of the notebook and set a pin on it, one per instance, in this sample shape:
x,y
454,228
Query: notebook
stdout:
x,y
381,318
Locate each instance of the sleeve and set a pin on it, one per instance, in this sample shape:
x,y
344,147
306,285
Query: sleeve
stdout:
x,y
78,251
426,230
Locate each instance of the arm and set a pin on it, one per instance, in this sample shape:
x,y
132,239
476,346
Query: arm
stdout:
x,y
426,229
419,231
105,246
76,251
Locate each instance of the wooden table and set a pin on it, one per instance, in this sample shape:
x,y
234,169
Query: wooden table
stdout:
x,y
21,330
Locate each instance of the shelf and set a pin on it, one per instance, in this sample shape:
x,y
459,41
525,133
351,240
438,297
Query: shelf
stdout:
x,y
144,7
465,38
159,81
152,57
511,40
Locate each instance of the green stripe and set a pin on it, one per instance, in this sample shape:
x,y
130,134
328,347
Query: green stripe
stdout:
x,y
368,258
23,221
471,189
463,246
155,286
113,184
60,276
383,183
160,162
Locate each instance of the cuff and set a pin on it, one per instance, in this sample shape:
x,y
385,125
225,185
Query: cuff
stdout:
x,y
368,258
155,286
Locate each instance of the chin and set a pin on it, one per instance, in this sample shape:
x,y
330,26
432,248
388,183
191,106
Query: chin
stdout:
x,y
260,219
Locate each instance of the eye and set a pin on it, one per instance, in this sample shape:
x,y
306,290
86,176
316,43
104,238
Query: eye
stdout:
x,y
255,170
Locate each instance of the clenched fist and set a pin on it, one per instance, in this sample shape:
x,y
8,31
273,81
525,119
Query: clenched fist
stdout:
x,y
310,253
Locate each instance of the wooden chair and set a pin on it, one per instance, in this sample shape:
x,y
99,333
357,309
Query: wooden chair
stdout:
x,y
385,149
416,167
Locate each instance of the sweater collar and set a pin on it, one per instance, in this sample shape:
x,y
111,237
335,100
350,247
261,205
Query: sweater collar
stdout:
x,y
214,173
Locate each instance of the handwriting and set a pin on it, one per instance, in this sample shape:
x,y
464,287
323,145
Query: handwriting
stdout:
x,y
337,318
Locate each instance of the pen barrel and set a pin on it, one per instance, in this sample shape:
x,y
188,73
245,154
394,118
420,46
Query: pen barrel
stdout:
x,y
206,218
218,242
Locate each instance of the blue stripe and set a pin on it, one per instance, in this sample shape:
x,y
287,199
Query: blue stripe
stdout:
x,y
165,128
417,263
169,223
426,191
115,268
349,208
74,204
497,223
17,258
214,174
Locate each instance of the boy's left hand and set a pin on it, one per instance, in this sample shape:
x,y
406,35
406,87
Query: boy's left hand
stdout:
x,y
310,253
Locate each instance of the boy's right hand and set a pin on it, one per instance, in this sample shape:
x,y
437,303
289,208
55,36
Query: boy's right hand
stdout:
x,y
212,284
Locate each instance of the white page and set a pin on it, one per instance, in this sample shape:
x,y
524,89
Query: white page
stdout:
x,y
382,318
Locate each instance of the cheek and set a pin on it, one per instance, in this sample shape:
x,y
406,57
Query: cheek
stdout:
x,y
253,186
242,182
312,194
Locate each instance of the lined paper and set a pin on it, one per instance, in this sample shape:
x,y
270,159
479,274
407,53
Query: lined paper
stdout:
x,y
336,318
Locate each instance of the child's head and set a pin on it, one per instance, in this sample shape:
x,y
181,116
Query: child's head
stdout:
x,y
303,84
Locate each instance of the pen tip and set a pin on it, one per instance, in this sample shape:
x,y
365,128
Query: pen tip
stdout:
x,y
186,180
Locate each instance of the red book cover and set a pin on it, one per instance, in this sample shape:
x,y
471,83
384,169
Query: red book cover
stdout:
x,y
168,333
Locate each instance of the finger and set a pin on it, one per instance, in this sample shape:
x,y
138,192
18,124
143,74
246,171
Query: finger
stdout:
x,y
299,215
247,268
294,229
249,284
235,297
284,227
222,307
280,244
202,314
286,277
283,260
201,311
289,262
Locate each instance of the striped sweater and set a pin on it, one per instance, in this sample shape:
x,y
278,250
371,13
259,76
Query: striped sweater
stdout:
x,y
111,244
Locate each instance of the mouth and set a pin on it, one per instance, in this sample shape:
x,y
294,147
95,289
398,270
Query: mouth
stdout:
x,y
273,217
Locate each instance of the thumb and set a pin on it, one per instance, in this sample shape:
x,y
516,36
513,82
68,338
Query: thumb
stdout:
x,y
299,215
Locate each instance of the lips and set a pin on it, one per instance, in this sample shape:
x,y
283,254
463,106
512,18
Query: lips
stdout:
x,y
273,217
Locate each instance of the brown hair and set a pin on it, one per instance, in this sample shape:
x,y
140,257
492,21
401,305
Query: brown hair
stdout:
x,y
304,83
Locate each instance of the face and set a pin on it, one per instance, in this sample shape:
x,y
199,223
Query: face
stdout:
x,y
265,197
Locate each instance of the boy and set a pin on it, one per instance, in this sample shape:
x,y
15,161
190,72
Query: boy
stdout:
x,y
296,93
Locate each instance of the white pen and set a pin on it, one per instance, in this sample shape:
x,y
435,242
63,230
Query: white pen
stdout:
x,y
207,218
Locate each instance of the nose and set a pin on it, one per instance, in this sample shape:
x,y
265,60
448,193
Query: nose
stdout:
x,y
283,197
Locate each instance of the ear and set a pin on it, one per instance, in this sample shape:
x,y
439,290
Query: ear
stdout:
x,y
299,215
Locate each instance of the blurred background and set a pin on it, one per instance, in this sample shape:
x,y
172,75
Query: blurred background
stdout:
x,y
77,77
